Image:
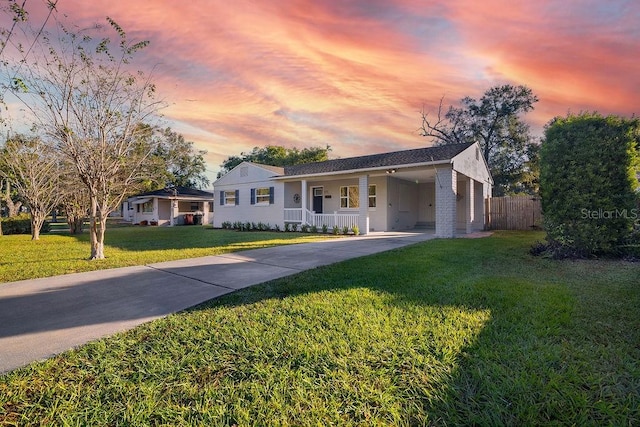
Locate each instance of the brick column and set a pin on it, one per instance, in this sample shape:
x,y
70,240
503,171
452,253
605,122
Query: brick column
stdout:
x,y
446,188
471,205
363,211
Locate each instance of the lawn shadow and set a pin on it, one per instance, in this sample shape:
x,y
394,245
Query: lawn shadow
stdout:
x,y
493,373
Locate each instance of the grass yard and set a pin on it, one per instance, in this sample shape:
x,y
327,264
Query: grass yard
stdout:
x,y
61,253
447,332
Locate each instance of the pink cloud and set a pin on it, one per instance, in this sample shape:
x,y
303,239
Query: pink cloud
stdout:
x,y
355,75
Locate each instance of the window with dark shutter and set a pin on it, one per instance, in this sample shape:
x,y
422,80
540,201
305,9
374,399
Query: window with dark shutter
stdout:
x,y
262,196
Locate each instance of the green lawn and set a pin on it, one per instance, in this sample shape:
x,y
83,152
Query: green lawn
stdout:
x,y
61,253
447,332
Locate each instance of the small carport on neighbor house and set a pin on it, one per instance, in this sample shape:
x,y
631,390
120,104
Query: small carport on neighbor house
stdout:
x,y
442,188
170,206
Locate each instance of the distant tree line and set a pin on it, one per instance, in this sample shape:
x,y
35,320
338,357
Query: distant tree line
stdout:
x,y
275,155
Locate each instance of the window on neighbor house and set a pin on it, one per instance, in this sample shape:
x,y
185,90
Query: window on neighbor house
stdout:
x,y
372,196
349,197
147,207
195,206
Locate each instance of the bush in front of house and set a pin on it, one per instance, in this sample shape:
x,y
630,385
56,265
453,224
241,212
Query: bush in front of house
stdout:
x,y
588,183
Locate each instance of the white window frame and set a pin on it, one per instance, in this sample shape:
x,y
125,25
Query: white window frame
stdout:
x,y
230,197
264,198
373,197
347,197
147,207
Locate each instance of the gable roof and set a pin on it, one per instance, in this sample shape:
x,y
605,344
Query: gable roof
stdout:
x,y
395,158
183,192
275,169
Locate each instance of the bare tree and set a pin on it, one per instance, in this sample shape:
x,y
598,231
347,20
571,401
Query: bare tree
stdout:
x,y
494,122
75,202
88,103
35,171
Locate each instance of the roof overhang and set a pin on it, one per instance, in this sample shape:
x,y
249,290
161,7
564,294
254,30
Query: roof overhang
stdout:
x,y
381,169
141,201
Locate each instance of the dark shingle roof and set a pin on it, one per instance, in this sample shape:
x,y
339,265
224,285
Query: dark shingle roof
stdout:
x,y
180,192
396,158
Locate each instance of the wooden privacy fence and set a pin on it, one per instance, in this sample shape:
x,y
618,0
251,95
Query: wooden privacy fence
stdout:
x,y
513,213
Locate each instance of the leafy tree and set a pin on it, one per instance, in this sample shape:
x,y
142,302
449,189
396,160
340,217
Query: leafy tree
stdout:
x,y
34,170
494,122
275,155
88,104
588,166
176,161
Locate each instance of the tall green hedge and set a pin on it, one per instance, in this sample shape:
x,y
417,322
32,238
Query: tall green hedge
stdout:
x,y
21,224
588,183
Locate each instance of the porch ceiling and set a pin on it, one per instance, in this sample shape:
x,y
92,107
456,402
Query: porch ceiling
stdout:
x,y
414,175
421,174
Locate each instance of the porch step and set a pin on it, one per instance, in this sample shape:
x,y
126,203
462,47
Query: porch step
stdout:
x,y
424,225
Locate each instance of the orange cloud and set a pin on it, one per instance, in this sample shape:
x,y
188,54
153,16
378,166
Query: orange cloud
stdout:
x,y
354,75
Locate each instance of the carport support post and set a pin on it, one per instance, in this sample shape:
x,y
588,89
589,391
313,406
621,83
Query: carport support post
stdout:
x,y
174,212
303,200
363,210
446,189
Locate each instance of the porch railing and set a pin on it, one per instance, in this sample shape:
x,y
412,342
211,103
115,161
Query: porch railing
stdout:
x,y
330,220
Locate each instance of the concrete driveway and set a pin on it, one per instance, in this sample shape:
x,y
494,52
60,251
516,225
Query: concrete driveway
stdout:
x,y
43,317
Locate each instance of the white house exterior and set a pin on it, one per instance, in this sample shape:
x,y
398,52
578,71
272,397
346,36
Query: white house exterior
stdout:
x,y
437,187
170,206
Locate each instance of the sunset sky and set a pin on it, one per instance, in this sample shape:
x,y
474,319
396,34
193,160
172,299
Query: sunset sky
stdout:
x,y
355,74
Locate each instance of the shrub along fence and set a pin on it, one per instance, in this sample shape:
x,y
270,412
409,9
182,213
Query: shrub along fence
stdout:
x,y
513,213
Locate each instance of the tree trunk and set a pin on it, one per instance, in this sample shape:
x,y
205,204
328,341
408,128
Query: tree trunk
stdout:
x,y
12,208
75,224
98,227
97,237
97,248
35,230
36,225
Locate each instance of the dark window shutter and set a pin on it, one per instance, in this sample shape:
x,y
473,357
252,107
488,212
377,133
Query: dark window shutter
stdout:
x,y
271,195
222,198
253,196
237,197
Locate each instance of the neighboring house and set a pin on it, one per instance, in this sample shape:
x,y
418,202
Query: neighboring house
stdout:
x,y
170,206
438,187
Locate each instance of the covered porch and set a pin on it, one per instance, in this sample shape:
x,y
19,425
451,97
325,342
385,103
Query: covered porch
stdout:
x,y
436,198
